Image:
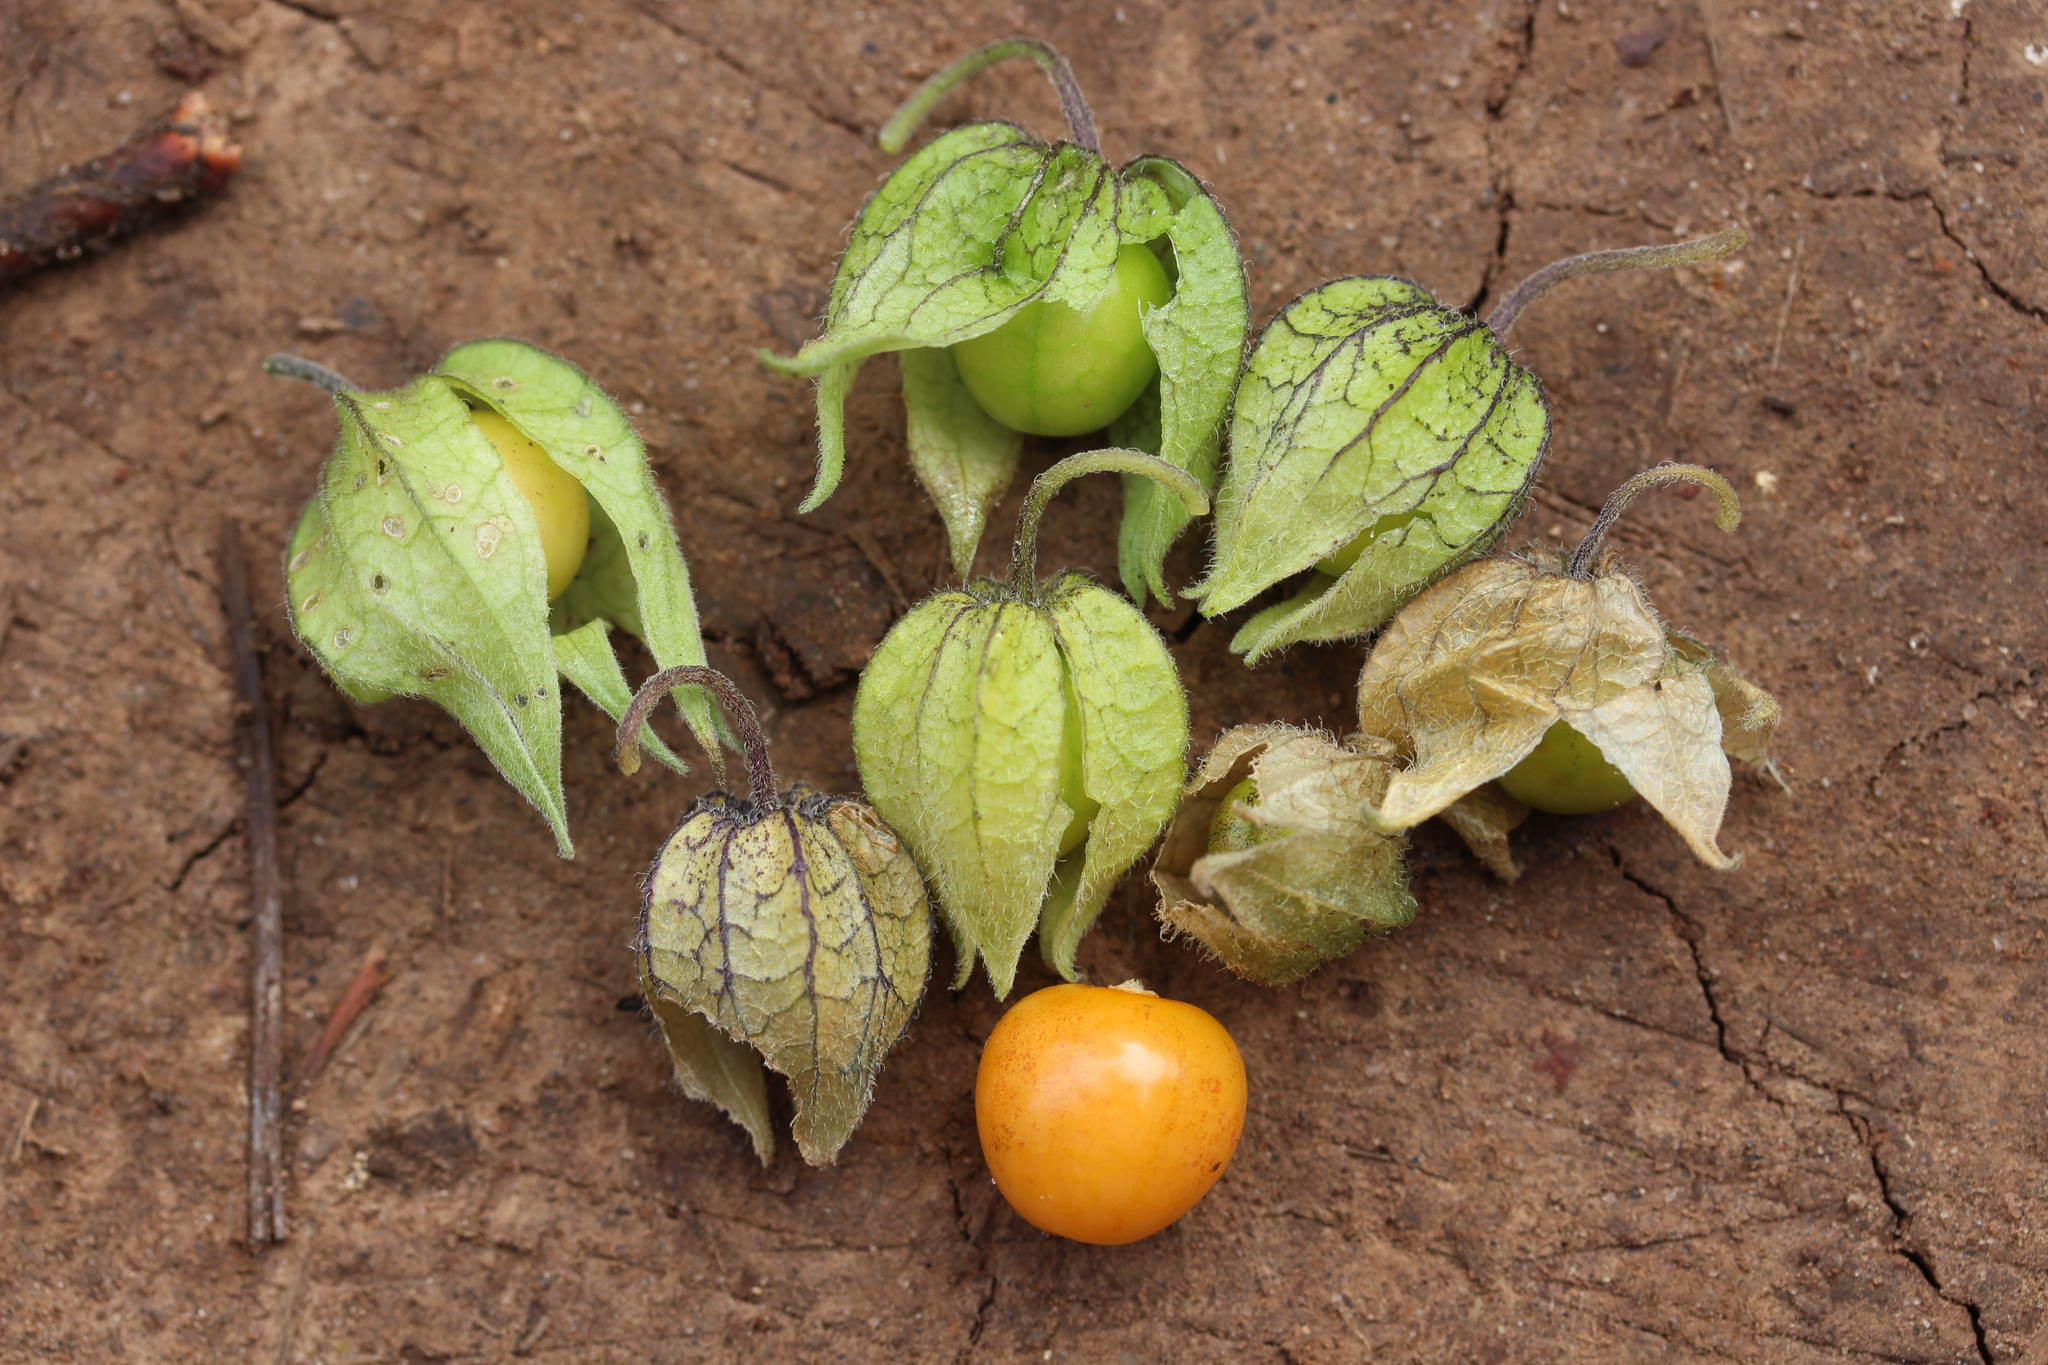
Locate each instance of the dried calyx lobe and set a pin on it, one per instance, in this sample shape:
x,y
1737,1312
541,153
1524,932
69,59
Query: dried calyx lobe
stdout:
x,y
986,231
1378,439
1028,739
789,928
1471,676
1270,863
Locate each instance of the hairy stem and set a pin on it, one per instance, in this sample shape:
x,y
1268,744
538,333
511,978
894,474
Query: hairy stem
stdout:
x,y
1024,558
896,133
1723,243
760,774
298,367
1728,516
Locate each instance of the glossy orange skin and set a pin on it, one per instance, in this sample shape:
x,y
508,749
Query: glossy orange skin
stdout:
x,y
1106,1114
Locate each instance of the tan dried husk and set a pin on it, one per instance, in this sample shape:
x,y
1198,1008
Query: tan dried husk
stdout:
x,y
1469,676
1276,911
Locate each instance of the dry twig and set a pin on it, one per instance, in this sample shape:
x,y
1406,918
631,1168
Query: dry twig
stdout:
x,y
266,1008
1785,313
28,1121
374,972
175,160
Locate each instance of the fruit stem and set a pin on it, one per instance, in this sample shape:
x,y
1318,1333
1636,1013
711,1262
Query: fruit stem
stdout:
x,y
896,132
1723,243
760,775
1024,558
298,367
1727,517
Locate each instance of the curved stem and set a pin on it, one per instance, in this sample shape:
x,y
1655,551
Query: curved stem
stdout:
x,y
1723,243
1727,517
298,367
1024,558
896,132
760,775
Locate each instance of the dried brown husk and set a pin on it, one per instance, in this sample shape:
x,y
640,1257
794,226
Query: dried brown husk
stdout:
x,y
1276,910
1469,676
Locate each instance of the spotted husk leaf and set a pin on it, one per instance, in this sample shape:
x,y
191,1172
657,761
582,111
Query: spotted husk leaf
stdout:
x,y
1366,405
1277,909
1469,676
802,931
416,569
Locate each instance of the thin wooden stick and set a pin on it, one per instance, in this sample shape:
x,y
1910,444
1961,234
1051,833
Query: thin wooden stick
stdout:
x,y
28,1122
1785,313
266,1006
178,160
375,971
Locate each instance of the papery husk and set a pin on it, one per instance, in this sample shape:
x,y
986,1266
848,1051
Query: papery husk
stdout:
x,y
1469,676
417,569
801,931
958,728
1275,911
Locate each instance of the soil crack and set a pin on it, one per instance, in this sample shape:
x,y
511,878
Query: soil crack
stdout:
x,y
1689,933
654,12
1917,1257
1503,191
1991,282
1891,755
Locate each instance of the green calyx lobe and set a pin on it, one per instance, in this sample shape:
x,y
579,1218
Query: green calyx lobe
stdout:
x,y
1380,439
1030,286
1026,739
1378,432
790,929
419,568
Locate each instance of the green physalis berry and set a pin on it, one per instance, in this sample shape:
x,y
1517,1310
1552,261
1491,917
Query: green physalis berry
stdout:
x,y
1027,738
1270,862
790,927
480,531
1566,774
1475,677
1055,370
1378,439
1029,286
1234,827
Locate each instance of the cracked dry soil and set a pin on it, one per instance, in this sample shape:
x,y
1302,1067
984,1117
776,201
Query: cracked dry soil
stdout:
x,y
1625,1110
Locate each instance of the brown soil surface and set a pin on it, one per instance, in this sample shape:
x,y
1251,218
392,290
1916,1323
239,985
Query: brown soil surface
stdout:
x,y
1627,1109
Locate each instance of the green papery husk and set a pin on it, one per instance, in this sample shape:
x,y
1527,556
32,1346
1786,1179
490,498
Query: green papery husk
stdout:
x,y
416,570
981,222
1366,405
1134,744
799,936
1198,337
1279,908
958,727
